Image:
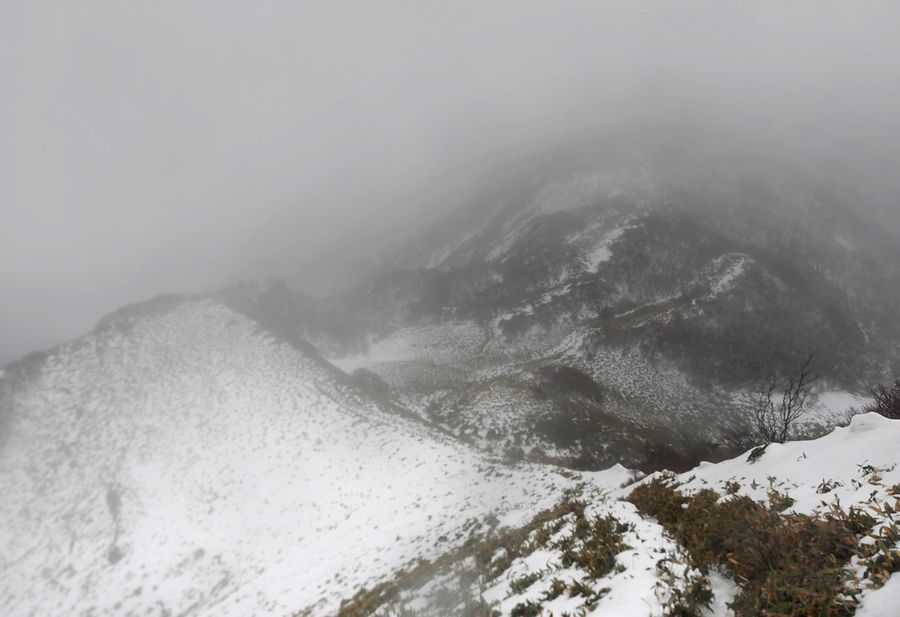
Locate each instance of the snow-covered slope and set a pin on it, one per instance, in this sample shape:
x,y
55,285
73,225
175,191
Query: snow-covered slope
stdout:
x,y
600,556
857,466
841,462
181,460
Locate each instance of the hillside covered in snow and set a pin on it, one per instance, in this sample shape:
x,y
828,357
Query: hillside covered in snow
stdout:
x,y
186,458
803,528
183,460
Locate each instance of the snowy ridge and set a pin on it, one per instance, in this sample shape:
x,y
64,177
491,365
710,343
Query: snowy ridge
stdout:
x,y
853,467
801,466
190,463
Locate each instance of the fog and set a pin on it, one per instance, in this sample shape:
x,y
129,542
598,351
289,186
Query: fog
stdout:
x,y
148,147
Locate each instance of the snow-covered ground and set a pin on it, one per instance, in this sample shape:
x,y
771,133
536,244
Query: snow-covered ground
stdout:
x,y
856,466
853,466
637,586
189,463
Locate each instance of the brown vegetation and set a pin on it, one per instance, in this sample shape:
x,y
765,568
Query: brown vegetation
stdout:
x,y
786,564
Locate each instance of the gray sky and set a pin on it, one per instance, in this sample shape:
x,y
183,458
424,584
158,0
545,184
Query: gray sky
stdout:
x,y
175,145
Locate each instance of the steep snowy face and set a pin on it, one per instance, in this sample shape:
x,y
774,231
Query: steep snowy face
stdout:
x,y
182,459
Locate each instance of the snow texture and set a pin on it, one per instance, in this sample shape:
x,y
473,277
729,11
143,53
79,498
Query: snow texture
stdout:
x,y
191,463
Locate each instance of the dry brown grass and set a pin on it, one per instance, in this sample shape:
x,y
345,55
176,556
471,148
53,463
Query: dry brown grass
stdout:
x,y
786,564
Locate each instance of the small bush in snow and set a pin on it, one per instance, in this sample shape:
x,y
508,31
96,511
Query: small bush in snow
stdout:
x,y
519,585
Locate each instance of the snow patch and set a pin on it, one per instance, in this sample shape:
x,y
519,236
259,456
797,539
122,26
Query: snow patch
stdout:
x,y
728,269
884,602
601,252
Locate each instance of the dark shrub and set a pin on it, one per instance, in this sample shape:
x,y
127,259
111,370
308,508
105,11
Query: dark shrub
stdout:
x,y
887,401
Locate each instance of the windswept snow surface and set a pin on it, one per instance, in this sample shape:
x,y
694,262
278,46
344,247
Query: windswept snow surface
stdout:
x,y
859,462
634,590
188,463
801,466
648,570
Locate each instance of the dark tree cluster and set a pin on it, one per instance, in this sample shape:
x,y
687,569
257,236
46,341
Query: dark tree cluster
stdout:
x,y
887,401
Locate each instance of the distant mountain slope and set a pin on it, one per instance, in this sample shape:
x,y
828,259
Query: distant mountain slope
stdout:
x,y
667,281
183,459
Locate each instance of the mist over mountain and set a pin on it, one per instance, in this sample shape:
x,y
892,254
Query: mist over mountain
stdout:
x,y
183,146
475,310
618,300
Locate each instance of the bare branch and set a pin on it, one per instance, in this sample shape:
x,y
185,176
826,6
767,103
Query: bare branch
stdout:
x,y
775,423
